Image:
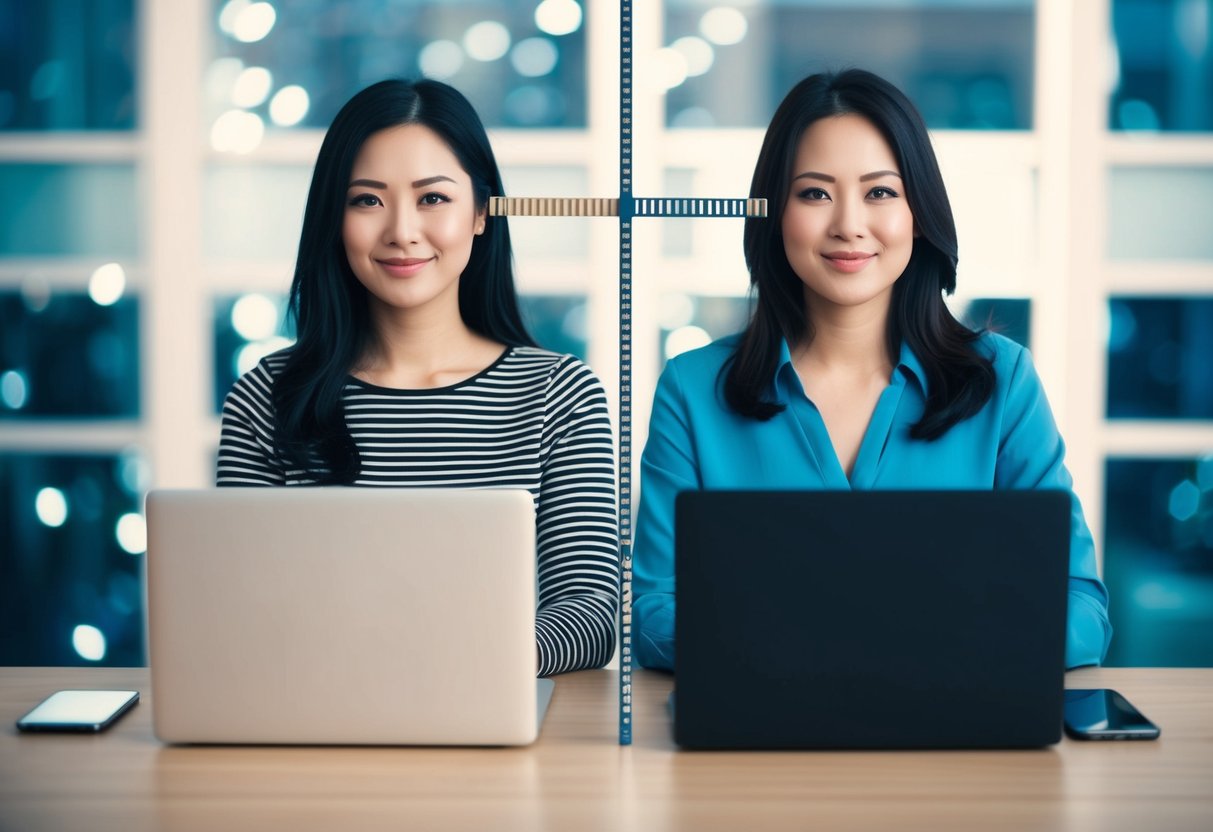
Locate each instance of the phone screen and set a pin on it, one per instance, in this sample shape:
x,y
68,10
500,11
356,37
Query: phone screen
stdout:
x,y
1105,714
79,710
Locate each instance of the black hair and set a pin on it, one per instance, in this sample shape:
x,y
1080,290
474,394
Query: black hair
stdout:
x,y
959,379
330,307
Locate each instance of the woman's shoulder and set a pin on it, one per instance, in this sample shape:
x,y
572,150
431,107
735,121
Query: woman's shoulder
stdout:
x,y
555,366
1005,353
255,384
704,362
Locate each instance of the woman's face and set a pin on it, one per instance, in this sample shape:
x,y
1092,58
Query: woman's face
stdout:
x,y
847,228
410,219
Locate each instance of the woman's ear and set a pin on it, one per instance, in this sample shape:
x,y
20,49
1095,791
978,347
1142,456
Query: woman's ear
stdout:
x,y
481,218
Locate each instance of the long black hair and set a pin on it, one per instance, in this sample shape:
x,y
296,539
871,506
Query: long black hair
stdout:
x,y
959,379
329,305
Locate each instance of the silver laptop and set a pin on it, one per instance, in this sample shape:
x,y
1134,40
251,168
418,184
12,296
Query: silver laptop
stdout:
x,y
343,616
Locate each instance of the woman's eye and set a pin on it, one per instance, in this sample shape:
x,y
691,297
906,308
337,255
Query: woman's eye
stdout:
x,y
882,193
814,194
433,199
365,201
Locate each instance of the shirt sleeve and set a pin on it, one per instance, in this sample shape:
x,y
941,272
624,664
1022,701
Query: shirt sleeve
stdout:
x,y
667,467
246,443
1031,454
577,534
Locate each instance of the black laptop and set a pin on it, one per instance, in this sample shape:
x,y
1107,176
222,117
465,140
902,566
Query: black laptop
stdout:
x,y
870,619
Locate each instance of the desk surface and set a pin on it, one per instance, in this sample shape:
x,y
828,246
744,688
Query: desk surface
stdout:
x,y
577,777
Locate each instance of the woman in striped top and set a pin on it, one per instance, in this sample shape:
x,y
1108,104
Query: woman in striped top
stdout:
x,y
412,367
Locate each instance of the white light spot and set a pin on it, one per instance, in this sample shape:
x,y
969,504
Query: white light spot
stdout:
x,y
107,284
487,40
289,105
89,642
252,87
676,309
534,57
255,317
51,507
254,22
250,354
558,17
227,16
686,338
440,59
698,53
669,68
1184,501
237,132
131,532
14,390
723,26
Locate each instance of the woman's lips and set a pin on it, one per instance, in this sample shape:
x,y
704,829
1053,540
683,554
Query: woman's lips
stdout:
x,y
403,266
848,261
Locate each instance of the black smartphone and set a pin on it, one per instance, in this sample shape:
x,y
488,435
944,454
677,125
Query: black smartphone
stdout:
x,y
79,710
1103,714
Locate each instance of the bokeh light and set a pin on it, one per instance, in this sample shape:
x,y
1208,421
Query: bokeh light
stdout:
x,y
486,41
107,284
289,106
50,505
255,317
723,25
88,642
252,87
558,17
131,533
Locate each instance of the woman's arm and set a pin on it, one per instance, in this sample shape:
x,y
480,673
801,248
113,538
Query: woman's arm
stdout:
x,y
577,531
1032,455
246,438
667,467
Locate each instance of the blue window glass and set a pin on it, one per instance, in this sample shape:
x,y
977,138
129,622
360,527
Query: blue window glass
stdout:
x,y
49,209
1164,78
1011,317
966,64
67,65
1159,363
1158,561
71,540
520,64
67,355
557,322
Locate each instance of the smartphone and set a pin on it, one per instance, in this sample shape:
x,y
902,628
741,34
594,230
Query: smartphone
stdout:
x,y
1103,714
79,710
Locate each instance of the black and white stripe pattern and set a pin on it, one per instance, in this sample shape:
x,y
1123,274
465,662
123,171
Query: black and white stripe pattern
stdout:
x,y
533,420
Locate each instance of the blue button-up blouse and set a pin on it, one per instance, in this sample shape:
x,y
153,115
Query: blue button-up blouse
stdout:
x,y
697,442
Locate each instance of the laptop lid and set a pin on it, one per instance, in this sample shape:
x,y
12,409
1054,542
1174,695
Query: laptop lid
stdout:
x,y
870,619
342,615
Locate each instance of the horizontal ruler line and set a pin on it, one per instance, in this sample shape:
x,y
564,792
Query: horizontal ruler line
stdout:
x,y
525,206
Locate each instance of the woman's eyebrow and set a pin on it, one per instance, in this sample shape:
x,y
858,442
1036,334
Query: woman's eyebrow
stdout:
x,y
368,183
420,183
825,177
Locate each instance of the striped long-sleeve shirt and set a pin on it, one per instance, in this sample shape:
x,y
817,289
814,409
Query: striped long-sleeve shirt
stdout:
x,y
533,419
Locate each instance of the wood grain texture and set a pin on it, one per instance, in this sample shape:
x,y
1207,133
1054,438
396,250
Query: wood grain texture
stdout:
x,y
577,777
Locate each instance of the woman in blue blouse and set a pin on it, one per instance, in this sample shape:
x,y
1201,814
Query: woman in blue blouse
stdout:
x,y
852,373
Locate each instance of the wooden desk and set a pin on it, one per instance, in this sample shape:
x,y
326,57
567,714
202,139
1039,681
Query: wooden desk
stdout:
x,y
577,778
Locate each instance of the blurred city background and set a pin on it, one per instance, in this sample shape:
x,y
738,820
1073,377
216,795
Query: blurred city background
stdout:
x,y
155,156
